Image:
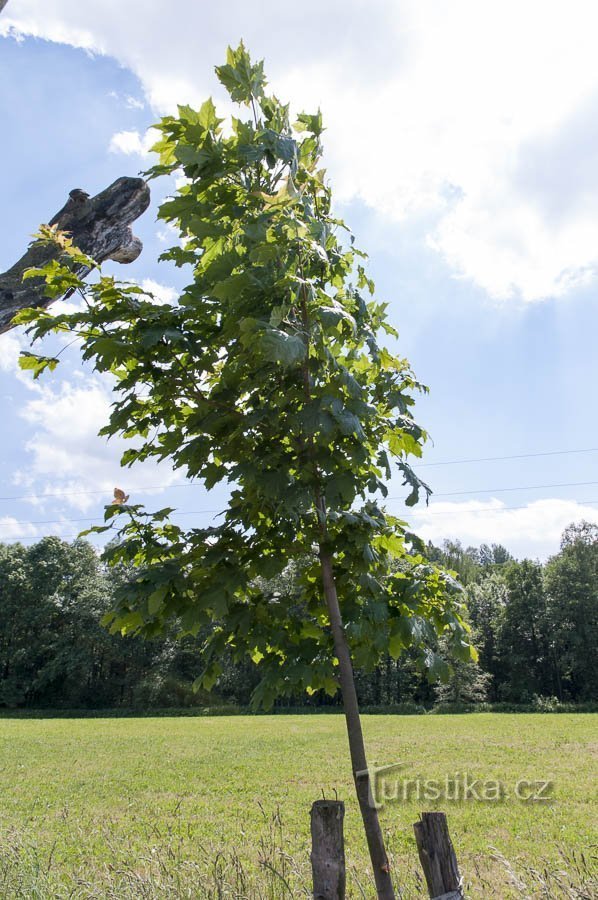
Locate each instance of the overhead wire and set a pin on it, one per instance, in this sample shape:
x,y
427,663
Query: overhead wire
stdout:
x,y
454,462
450,462
91,520
425,511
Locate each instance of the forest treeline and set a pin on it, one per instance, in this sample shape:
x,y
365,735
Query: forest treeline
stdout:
x,y
535,626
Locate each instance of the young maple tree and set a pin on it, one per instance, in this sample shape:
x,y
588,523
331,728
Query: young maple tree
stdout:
x,y
265,373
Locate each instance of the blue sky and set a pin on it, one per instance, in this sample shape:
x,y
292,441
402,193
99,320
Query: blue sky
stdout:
x,y
462,149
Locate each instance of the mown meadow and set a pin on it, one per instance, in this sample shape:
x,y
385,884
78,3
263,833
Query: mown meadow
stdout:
x,y
219,806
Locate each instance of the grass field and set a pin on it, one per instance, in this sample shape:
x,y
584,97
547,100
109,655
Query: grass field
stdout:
x,y
219,807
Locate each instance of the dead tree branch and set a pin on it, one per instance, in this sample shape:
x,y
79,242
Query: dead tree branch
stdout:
x,y
100,226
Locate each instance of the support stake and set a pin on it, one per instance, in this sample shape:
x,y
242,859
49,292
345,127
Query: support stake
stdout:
x,y
437,857
328,850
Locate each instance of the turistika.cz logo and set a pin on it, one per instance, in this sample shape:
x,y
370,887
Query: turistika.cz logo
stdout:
x,y
387,785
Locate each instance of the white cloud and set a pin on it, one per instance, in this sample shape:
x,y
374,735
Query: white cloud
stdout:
x,y
454,109
533,530
128,101
132,143
11,345
65,456
161,293
134,103
12,529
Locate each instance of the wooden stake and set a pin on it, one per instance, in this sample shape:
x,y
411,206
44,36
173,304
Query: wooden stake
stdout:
x,y
437,857
328,850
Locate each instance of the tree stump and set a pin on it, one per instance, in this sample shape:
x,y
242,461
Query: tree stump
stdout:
x,y
437,857
99,226
328,850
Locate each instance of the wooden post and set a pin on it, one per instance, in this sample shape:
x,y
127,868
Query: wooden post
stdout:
x,y
99,226
437,857
328,850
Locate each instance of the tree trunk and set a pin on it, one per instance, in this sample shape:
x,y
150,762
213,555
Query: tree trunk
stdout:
x,y
369,814
2,4
99,226
328,850
437,857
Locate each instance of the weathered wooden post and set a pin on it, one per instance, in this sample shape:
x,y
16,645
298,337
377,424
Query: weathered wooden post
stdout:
x,y
437,857
99,226
328,850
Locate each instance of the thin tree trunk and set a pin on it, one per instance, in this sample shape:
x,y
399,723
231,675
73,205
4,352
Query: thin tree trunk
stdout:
x,y
369,814
2,4
559,684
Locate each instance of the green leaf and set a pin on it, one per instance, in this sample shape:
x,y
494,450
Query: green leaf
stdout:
x,y
242,79
334,314
311,123
438,668
156,599
278,346
37,364
207,115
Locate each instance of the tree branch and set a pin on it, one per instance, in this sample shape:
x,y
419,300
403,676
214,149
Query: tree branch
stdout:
x,y
99,226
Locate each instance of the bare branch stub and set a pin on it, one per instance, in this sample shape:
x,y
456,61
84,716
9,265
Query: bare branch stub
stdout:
x,y
100,226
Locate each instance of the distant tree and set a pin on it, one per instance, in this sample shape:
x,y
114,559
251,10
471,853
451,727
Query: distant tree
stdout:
x,y
464,561
571,582
580,533
493,555
18,623
50,594
466,684
500,555
486,602
522,645
485,555
53,651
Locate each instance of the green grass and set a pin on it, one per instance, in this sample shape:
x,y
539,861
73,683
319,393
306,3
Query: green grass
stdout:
x,y
219,807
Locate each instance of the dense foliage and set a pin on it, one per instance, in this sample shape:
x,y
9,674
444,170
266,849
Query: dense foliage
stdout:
x,y
266,373
54,653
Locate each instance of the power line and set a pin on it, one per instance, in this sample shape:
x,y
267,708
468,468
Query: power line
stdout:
x,y
155,487
449,462
66,537
185,512
39,537
196,512
497,509
454,462
527,487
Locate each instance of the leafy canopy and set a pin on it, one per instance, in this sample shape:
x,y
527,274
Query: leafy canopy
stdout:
x,y
266,374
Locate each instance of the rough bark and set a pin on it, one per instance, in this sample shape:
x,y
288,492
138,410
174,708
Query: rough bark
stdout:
x,y
328,850
99,226
437,857
369,814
